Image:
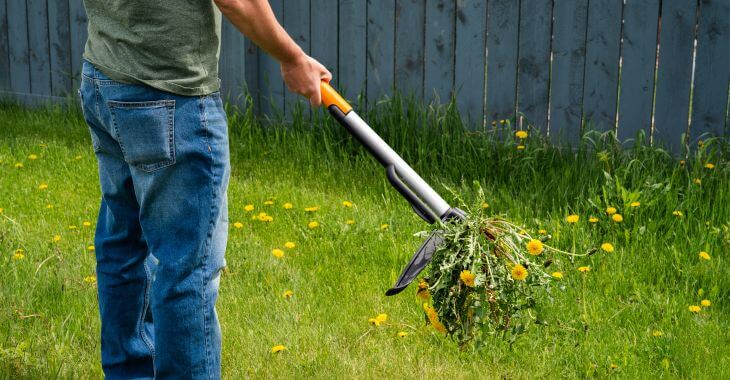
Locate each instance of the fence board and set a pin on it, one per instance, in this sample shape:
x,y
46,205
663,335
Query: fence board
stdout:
x,y
533,92
232,63
270,84
60,47
439,51
409,40
638,53
4,53
470,60
600,91
77,23
18,47
38,47
380,49
251,73
502,43
323,39
296,23
674,73
569,30
712,69
352,47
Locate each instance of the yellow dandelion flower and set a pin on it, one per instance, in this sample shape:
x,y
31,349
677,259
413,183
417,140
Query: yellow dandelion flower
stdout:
x,y
49,206
557,275
614,366
700,292
268,218
611,210
617,218
350,221
677,213
402,334
384,226
312,225
520,147
382,317
346,203
705,303
311,209
607,247
694,308
288,294
657,333
269,203
423,291
592,219
709,166
86,224
78,158
73,227
697,181
248,207
374,321
91,248
56,238
467,278
278,348
535,247
2,210
542,232
572,219
584,269
485,205
42,186
521,134
635,204
32,157
90,279
238,225
704,255
682,163
278,253
288,206
433,318
519,272
289,245
18,165
19,254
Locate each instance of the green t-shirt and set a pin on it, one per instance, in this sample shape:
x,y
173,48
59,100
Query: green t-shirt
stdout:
x,y
171,45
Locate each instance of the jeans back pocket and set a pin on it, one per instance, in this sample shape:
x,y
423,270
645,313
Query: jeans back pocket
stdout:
x,y
145,132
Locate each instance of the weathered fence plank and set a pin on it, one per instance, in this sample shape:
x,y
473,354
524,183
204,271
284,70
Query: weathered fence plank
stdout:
x,y
296,22
18,47
502,43
712,69
438,74
569,32
409,40
638,53
674,73
271,85
232,63
4,53
323,39
600,91
60,47
77,23
38,47
251,73
533,92
352,47
470,60
380,49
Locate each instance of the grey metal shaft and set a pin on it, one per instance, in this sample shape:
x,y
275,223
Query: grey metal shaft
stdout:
x,y
387,156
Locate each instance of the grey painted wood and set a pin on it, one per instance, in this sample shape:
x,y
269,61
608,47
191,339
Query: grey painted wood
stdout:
x,y
712,69
18,46
38,47
600,92
566,88
251,73
78,24
380,49
271,84
4,53
232,63
502,44
323,35
409,40
533,78
638,52
438,81
60,47
674,73
470,60
352,48
296,23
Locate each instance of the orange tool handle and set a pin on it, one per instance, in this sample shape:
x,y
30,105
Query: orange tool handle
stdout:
x,y
330,97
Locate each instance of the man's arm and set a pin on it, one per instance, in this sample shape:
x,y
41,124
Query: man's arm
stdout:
x,y
255,19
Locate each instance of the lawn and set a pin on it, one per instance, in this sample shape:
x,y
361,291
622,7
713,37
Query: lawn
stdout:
x,y
628,317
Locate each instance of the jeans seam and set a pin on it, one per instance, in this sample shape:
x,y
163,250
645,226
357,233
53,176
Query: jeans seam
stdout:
x,y
145,309
204,124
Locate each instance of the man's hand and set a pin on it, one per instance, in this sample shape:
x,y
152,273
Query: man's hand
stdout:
x,y
303,76
255,19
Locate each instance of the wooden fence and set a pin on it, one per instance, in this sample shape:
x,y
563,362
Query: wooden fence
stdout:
x,y
662,66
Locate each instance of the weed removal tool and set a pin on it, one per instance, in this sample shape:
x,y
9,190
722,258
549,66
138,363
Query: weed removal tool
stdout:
x,y
426,202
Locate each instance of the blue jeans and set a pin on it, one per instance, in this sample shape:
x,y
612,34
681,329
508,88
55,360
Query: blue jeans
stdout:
x,y
163,223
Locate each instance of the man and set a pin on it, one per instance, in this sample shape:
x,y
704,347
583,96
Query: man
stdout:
x,y
150,97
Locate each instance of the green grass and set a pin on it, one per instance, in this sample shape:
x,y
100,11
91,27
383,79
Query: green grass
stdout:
x,y
49,325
